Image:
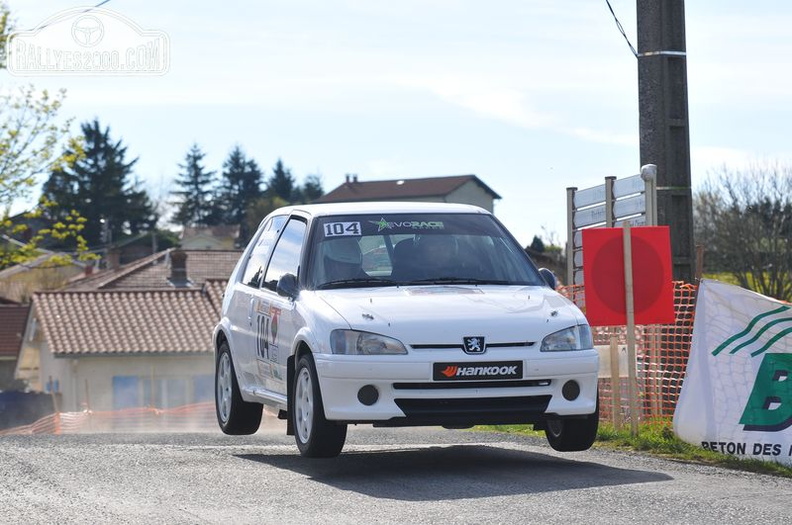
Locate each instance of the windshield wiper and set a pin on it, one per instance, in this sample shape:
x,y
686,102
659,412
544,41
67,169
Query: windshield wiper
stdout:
x,y
355,283
458,280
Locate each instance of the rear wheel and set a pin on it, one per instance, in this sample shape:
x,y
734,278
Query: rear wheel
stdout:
x,y
572,434
316,436
234,415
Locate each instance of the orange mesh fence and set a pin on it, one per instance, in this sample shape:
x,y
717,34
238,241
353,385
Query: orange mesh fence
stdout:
x,y
189,418
661,358
46,425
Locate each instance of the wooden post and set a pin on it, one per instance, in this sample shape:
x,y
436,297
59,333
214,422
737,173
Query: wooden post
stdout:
x,y
615,380
630,307
152,393
699,262
55,407
88,406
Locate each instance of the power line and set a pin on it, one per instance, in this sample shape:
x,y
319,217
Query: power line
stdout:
x,y
620,27
88,9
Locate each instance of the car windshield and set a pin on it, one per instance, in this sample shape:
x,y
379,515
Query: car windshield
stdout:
x,y
415,249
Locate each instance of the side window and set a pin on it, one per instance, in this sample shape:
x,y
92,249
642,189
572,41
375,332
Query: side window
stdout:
x,y
261,252
286,256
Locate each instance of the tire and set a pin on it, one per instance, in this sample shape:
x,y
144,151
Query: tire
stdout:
x,y
234,415
572,434
316,437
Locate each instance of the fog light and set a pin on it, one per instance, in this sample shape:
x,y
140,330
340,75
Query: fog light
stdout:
x,y
570,390
368,395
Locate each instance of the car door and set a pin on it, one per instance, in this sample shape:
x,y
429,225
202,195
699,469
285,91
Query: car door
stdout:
x,y
241,311
276,314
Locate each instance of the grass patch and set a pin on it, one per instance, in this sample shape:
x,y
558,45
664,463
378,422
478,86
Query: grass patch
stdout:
x,y
657,438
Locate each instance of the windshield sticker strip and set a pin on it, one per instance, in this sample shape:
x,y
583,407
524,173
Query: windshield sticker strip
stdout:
x,y
383,224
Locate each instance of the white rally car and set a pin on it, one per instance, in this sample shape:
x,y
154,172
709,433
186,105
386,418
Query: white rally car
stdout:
x,y
399,314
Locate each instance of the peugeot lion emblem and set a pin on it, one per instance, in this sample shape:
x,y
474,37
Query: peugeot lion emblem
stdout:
x,y
473,344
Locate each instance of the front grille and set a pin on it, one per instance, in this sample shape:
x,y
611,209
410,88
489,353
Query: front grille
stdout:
x,y
469,411
475,405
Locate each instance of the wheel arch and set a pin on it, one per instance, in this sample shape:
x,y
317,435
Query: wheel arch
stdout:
x,y
219,337
291,364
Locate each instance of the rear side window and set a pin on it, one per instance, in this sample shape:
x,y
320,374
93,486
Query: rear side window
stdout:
x,y
257,263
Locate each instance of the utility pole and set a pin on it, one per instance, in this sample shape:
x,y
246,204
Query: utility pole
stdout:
x,y
663,122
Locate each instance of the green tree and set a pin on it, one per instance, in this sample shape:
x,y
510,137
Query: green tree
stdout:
x,y
30,136
743,219
281,183
68,230
196,204
311,189
260,208
101,188
240,185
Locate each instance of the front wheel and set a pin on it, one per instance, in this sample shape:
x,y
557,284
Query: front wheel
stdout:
x,y
316,436
572,435
234,415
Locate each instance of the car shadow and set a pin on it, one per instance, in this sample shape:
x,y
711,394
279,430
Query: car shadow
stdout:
x,y
454,472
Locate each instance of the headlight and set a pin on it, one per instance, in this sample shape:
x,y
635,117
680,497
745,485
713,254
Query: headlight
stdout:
x,y
352,342
572,338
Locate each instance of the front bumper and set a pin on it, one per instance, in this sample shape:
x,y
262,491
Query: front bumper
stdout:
x,y
407,395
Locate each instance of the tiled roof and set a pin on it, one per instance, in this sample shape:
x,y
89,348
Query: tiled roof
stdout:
x,y
12,327
215,288
112,322
397,189
153,272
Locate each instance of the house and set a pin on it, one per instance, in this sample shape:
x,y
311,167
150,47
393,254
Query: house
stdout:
x,y
463,189
222,237
13,318
140,246
131,336
45,272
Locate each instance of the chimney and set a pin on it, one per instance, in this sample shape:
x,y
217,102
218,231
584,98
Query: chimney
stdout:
x,y
347,178
354,178
178,275
113,259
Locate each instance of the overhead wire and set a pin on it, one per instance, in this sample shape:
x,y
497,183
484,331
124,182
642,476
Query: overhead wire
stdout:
x,y
621,29
86,10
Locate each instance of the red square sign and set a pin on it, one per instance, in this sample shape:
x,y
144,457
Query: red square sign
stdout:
x,y
603,275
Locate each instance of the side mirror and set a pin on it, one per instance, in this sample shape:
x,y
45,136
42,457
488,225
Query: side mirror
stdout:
x,y
549,277
287,286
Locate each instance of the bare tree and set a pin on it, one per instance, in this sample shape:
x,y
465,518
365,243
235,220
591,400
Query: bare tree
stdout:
x,y
744,221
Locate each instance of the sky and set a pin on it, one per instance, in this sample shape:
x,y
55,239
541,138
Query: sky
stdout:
x,y
532,96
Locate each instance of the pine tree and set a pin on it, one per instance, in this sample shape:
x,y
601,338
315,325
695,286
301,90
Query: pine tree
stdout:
x,y
101,188
196,201
241,185
281,183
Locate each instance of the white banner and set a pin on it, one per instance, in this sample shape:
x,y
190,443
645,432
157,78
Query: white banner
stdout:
x,y
737,394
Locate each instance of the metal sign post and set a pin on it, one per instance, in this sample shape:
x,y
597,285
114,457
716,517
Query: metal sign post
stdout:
x,y
610,204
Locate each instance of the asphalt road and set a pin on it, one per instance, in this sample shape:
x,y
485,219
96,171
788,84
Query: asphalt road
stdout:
x,y
423,475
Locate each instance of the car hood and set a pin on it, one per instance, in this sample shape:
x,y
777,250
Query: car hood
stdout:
x,y
445,314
